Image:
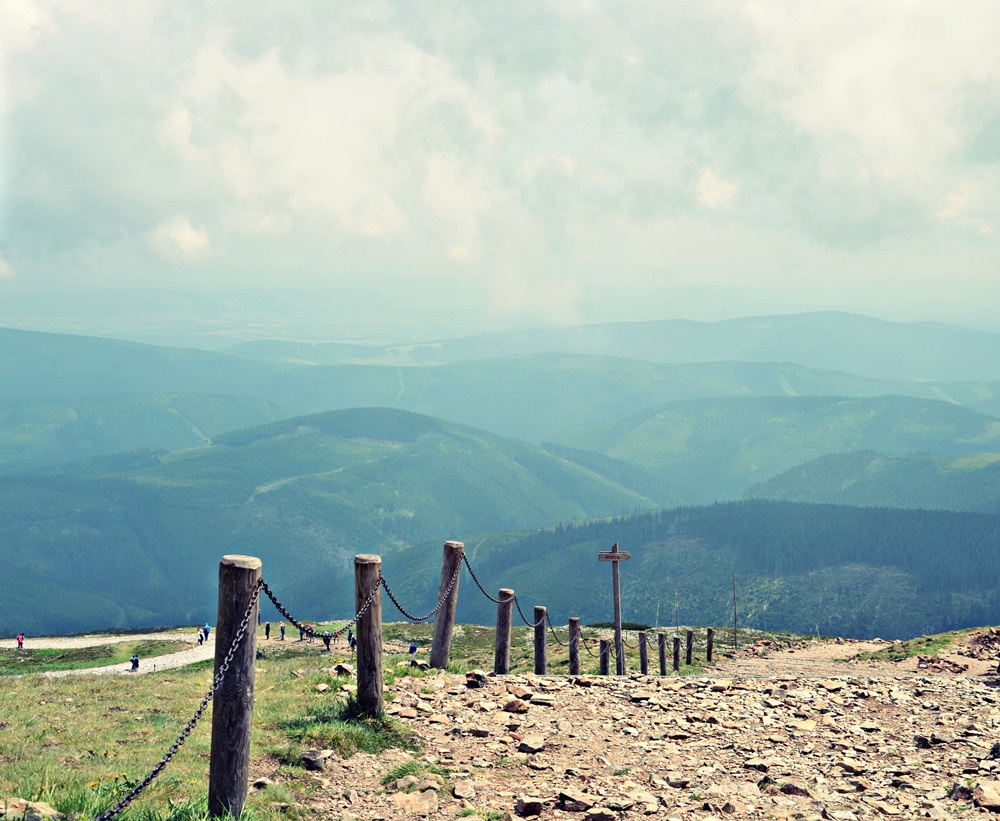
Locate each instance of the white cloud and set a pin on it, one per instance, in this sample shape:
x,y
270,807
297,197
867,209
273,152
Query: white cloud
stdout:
x,y
6,270
22,22
177,238
714,191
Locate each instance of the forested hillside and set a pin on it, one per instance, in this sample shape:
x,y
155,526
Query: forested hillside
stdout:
x,y
715,449
839,570
136,540
865,478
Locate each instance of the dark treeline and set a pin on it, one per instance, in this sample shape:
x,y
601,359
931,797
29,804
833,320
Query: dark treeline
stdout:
x,y
945,551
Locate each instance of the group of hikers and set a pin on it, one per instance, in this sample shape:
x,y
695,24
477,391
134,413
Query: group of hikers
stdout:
x,y
307,633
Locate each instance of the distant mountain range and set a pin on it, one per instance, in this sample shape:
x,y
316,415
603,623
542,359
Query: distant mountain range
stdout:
x,y
155,461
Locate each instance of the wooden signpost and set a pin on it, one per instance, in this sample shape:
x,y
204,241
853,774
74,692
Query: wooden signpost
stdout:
x,y
615,556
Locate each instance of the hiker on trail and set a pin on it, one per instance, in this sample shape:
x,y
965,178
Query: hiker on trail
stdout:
x,y
350,637
413,647
302,633
281,624
20,641
311,633
205,628
326,641
267,630
354,643
201,636
135,662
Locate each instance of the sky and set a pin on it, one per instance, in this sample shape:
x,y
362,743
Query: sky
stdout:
x,y
552,161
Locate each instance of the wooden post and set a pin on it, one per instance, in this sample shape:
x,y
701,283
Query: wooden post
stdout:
x,y
677,654
615,556
709,642
367,572
605,656
643,655
689,649
505,617
661,640
541,651
574,646
232,713
444,621
736,640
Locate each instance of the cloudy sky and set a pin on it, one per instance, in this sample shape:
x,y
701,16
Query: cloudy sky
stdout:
x,y
543,161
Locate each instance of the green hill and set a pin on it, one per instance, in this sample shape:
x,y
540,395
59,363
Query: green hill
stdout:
x,y
970,481
810,568
136,540
718,448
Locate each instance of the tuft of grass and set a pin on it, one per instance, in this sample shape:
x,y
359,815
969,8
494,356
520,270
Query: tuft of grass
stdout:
x,y
902,650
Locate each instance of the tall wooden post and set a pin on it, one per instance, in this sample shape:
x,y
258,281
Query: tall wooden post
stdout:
x,y
661,641
708,644
605,656
689,648
677,654
232,713
574,646
736,639
643,655
541,651
505,619
444,621
615,556
367,572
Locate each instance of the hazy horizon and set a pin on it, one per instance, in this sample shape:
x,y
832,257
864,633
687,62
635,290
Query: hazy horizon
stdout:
x,y
434,171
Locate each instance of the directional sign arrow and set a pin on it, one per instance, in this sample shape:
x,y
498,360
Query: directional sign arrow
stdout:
x,y
613,556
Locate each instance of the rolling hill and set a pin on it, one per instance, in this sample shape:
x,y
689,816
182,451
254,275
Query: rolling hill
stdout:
x,y
137,543
717,448
970,481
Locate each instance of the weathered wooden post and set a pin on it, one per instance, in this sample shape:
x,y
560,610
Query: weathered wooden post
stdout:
x,y
444,621
677,654
643,656
505,619
661,640
574,646
689,649
709,642
367,576
605,657
541,651
232,713
616,556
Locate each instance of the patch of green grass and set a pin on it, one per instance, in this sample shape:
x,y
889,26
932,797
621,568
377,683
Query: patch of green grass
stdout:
x,y
902,650
345,728
413,767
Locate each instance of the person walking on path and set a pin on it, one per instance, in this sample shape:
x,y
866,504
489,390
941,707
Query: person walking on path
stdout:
x,y
20,641
281,625
205,628
267,630
135,662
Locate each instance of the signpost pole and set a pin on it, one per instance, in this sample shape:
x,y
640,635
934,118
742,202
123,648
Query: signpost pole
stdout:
x,y
615,556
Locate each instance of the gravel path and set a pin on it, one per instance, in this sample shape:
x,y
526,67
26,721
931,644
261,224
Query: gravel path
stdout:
x,y
156,664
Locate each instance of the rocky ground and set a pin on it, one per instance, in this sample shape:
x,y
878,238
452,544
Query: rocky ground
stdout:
x,y
801,732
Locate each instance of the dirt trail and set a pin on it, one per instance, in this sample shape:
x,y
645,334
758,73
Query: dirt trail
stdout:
x,y
155,664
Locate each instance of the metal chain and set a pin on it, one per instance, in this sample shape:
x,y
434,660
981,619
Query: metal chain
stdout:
x,y
590,652
520,612
472,573
336,633
553,630
179,742
440,601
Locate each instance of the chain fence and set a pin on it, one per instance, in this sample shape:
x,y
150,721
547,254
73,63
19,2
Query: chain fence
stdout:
x,y
179,742
440,602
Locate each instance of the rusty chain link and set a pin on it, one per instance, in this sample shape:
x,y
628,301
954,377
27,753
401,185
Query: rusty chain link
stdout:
x,y
107,815
553,631
520,612
336,633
